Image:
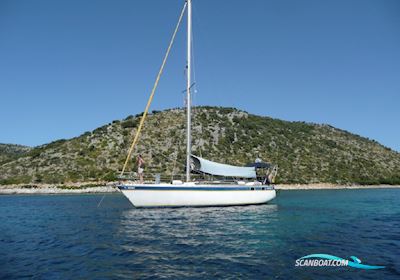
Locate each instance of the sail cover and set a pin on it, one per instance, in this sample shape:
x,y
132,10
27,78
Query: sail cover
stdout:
x,y
260,165
219,169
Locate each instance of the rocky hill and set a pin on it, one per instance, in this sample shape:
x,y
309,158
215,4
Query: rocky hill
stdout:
x,y
305,153
9,152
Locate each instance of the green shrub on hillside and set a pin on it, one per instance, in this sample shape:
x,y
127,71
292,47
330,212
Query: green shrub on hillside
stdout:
x,y
130,123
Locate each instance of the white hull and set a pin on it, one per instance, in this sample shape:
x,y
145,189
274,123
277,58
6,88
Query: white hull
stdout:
x,y
191,193
170,196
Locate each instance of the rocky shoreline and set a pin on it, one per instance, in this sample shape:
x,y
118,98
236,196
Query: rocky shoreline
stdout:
x,y
77,188
109,187
326,186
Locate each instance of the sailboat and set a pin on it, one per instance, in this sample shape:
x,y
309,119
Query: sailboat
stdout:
x,y
244,185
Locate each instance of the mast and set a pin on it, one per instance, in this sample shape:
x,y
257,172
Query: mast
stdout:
x,y
188,98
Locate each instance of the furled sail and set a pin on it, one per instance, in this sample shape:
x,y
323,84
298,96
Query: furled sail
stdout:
x,y
214,168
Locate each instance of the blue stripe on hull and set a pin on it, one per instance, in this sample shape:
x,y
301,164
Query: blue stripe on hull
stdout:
x,y
196,188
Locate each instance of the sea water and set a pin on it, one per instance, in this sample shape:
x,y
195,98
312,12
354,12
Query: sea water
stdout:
x,y
69,237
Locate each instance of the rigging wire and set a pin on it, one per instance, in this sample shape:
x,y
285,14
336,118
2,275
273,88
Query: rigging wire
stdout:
x,y
153,90
195,89
98,205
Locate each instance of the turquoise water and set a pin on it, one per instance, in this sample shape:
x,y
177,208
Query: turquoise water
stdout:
x,y
67,236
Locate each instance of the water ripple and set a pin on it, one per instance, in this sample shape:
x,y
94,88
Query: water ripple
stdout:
x,y
67,236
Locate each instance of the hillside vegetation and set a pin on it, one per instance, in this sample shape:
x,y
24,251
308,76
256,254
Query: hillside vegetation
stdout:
x,y
305,153
9,152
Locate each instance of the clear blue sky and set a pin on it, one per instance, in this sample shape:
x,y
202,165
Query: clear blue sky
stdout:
x,y
67,67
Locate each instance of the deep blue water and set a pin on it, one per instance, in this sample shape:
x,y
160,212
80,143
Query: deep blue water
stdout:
x,y
68,237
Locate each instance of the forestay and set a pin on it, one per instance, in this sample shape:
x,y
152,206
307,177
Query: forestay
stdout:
x,y
219,169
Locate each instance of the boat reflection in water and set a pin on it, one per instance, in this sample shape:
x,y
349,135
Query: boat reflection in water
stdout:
x,y
156,237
